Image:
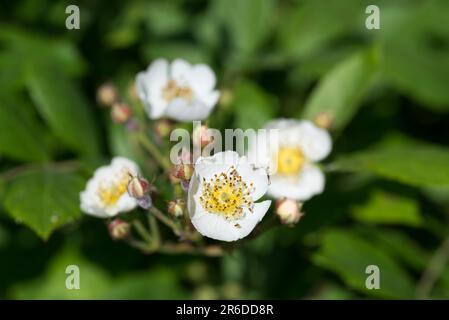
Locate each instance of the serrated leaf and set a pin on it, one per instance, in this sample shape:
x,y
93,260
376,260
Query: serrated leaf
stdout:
x,y
253,107
22,137
386,208
421,165
44,199
65,109
348,255
340,93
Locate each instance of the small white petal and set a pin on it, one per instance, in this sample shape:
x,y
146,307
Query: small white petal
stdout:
x,y
221,162
180,70
182,110
258,177
202,78
251,219
308,183
315,142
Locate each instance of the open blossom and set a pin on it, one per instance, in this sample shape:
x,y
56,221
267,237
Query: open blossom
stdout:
x,y
291,157
179,90
106,193
222,196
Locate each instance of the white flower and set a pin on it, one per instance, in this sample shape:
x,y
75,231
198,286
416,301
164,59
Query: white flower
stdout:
x,y
222,196
106,192
179,91
291,157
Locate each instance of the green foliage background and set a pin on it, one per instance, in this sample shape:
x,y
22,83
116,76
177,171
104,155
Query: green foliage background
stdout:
x,y
387,195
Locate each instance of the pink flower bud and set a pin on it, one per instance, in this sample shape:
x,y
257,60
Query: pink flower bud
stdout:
x,y
107,95
183,171
120,112
138,187
323,120
289,211
176,208
162,127
119,229
201,136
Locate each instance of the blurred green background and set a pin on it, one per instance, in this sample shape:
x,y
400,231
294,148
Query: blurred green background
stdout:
x,y
387,195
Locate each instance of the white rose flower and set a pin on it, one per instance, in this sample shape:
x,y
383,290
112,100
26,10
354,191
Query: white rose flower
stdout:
x,y
106,193
179,90
222,196
291,157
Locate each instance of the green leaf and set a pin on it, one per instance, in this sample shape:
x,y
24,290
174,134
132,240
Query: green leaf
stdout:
x,y
341,91
308,27
44,199
386,208
94,281
25,48
421,165
22,137
248,22
415,52
253,107
348,255
65,109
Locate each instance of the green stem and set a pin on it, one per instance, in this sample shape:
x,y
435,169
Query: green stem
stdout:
x,y
155,152
142,231
165,220
154,229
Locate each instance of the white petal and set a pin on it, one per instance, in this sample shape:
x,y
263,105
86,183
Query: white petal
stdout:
x,y
251,219
315,142
149,85
215,227
202,78
206,167
182,110
180,70
308,183
258,177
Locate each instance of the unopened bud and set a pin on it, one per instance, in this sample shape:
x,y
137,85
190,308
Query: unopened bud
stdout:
x,y
323,120
162,127
288,211
119,229
138,187
120,112
132,92
201,136
226,98
107,95
183,171
176,208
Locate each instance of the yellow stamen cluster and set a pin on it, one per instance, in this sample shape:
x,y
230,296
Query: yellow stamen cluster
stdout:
x,y
110,193
172,90
290,161
227,194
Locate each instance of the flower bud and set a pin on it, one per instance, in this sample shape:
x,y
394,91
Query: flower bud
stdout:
x,y
107,95
138,187
119,229
201,136
323,120
289,211
162,128
176,208
183,171
120,112
226,98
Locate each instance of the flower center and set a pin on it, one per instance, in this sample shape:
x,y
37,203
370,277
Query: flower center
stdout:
x,y
172,90
227,194
290,160
110,193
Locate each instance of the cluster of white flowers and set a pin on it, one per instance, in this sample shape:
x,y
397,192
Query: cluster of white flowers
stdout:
x,y
224,188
